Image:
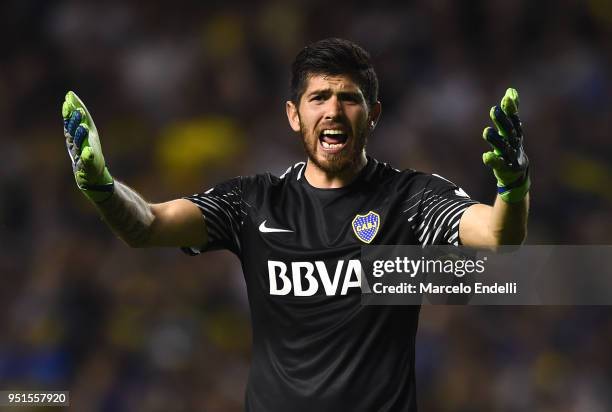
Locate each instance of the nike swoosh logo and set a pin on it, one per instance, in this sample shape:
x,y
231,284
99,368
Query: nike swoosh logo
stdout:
x,y
264,229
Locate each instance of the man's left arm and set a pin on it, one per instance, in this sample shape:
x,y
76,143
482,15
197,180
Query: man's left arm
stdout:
x,y
504,223
485,226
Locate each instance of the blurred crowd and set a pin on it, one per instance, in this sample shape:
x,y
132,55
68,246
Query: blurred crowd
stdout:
x,y
188,94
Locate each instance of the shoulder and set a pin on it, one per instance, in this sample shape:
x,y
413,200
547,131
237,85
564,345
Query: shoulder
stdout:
x,y
259,184
269,179
400,179
410,183
423,180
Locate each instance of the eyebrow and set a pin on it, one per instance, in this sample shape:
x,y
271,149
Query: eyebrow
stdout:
x,y
327,92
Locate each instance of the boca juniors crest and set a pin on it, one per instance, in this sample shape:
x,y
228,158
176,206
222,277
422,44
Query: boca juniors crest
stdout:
x,y
366,226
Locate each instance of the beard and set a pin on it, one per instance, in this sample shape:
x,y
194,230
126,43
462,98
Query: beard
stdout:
x,y
348,160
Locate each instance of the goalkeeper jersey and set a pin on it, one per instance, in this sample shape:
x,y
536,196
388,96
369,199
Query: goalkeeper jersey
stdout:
x,y
315,347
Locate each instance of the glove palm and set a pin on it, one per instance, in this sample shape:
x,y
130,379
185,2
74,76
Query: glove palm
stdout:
x,y
508,159
83,145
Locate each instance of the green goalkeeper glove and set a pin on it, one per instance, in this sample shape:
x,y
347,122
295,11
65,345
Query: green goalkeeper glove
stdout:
x,y
83,144
508,159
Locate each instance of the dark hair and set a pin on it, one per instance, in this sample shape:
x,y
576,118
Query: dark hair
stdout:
x,y
334,56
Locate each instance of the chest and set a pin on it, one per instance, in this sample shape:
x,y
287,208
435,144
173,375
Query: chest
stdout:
x,y
303,221
299,236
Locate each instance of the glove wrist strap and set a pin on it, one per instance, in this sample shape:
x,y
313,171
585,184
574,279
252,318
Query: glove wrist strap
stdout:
x,y
99,193
515,191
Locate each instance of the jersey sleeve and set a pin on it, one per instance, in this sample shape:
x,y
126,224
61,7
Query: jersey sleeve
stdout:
x,y
223,210
436,209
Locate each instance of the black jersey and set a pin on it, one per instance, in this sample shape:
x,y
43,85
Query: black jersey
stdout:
x,y
315,347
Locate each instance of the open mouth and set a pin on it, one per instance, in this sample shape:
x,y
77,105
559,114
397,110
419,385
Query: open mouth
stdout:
x,y
333,140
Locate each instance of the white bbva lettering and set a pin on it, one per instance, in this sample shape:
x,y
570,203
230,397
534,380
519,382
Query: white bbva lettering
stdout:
x,y
330,286
354,266
304,271
313,286
274,290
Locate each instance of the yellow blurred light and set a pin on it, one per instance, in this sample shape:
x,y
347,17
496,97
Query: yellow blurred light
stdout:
x,y
186,147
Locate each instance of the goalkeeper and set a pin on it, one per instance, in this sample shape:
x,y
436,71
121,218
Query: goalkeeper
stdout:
x,y
315,347
178,222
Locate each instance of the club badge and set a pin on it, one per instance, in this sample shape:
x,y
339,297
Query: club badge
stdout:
x,y
366,226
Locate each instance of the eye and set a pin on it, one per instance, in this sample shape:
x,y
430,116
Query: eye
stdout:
x,y
316,98
353,99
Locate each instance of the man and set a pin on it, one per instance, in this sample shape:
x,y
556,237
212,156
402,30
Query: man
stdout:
x,y
315,347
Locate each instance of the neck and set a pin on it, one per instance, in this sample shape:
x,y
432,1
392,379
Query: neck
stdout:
x,y
322,179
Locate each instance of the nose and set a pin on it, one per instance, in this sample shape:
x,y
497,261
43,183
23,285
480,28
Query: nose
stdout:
x,y
333,108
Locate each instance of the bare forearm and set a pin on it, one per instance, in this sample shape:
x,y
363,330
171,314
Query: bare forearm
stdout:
x,y
128,215
508,221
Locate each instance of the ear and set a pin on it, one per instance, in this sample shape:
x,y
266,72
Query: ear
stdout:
x,y
374,115
293,116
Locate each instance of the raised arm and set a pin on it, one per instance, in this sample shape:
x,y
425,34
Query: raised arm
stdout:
x,y
506,222
137,222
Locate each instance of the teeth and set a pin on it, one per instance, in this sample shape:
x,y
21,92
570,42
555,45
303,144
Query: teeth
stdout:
x,y
331,146
330,131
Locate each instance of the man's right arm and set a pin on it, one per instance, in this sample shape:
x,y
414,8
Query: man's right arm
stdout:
x,y
139,223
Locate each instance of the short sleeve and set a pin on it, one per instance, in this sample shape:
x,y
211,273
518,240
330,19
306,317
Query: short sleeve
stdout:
x,y
436,211
223,210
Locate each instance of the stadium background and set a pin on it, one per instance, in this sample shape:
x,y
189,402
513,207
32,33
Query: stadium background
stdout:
x,y
190,94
